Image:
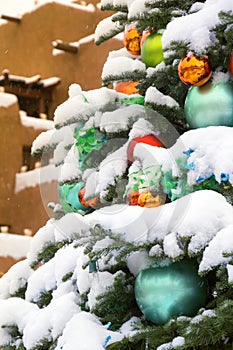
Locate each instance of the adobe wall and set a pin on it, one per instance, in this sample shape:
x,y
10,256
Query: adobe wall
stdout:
x,y
26,208
26,47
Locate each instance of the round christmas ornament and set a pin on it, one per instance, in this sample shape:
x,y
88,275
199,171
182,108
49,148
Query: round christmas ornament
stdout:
x,y
127,87
194,70
145,34
148,139
132,40
152,51
210,105
231,64
132,198
170,291
147,200
68,195
90,203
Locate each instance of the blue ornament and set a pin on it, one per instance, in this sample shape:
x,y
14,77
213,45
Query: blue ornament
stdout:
x,y
209,105
170,291
225,177
68,195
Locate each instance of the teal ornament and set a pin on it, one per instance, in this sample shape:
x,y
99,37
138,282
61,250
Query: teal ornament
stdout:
x,y
68,195
170,291
152,51
92,266
209,105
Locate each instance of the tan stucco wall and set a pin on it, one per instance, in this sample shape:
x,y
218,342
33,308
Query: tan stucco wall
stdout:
x,y
26,47
26,209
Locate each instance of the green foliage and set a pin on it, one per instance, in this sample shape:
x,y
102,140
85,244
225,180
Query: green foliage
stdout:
x,y
67,276
115,193
45,298
219,55
134,75
45,344
15,334
20,293
117,304
13,347
47,253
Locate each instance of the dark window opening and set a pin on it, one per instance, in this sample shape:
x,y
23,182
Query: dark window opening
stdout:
x,y
28,161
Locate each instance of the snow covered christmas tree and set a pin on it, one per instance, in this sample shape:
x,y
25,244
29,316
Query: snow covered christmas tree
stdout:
x,y
139,252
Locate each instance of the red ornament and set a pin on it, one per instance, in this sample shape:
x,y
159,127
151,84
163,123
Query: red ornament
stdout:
x,y
127,87
132,198
231,64
148,139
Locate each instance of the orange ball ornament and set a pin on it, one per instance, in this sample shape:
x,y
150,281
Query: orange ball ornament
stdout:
x,y
147,200
194,70
132,40
90,203
231,64
127,87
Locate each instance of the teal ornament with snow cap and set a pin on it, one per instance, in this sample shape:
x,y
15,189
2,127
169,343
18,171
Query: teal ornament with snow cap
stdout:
x,y
210,105
169,291
69,198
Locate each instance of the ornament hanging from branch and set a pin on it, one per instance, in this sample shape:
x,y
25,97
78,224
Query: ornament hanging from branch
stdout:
x,y
151,50
132,40
210,105
194,70
173,290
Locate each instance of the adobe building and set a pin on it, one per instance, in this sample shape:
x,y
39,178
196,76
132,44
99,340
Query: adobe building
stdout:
x,y
22,208
52,40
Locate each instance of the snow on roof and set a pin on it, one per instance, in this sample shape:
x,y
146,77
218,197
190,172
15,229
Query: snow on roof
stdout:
x,y
36,123
7,100
16,8
35,177
14,245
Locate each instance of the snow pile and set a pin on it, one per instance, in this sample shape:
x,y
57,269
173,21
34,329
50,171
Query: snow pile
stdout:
x,y
14,312
196,27
122,65
7,100
14,245
15,279
48,323
86,332
198,216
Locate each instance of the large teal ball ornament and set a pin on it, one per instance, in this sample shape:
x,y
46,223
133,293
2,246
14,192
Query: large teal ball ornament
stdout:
x,y
209,105
170,291
152,51
69,198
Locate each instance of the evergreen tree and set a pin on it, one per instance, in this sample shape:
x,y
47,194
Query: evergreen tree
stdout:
x,y
139,252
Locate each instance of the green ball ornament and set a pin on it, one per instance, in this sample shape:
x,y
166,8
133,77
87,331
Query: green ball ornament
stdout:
x,y
152,51
209,105
170,291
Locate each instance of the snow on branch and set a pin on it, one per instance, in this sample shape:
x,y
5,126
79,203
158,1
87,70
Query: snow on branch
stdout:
x,y
106,29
